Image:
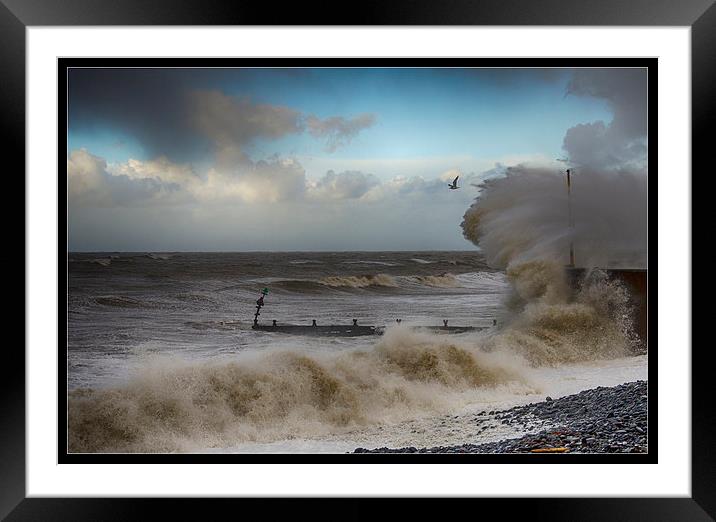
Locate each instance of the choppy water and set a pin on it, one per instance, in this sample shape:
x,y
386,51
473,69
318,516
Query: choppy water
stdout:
x,y
125,306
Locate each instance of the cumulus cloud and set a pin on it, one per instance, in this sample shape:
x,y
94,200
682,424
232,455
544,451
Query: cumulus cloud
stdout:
x,y
346,185
449,175
338,131
414,188
174,205
623,141
275,179
90,183
266,181
345,210
432,186
161,169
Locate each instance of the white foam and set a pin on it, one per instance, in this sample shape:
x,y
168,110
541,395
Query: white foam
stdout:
x,y
460,426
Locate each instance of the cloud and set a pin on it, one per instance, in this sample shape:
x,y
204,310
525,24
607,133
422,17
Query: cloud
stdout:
x,y
231,123
276,179
346,185
174,207
160,169
424,166
418,189
266,181
90,183
337,130
621,143
152,107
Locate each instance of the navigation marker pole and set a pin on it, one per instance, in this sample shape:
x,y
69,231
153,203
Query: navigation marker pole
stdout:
x,y
259,304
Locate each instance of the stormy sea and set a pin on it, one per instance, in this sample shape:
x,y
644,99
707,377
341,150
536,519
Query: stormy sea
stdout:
x,y
162,357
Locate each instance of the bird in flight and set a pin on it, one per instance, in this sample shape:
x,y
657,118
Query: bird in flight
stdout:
x,y
453,185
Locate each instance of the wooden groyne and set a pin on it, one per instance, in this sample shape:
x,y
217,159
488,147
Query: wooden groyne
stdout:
x,y
354,330
341,330
334,330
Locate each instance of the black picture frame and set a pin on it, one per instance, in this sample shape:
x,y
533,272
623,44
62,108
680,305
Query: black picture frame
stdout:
x,y
16,15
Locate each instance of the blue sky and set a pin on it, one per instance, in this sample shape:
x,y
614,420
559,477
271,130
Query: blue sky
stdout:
x,y
203,140
420,112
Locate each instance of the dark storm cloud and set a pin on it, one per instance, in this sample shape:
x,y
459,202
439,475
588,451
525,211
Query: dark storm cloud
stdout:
x,y
149,105
181,114
512,76
231,123
621,142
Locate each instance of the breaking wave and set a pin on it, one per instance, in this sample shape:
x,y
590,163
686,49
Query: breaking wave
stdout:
x,y
103,261
550,324
286,394
381,263
159,257
520,221
442,281
368,281
360,281
304,262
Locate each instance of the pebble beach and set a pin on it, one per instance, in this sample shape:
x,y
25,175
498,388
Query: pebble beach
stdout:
x,y
598,420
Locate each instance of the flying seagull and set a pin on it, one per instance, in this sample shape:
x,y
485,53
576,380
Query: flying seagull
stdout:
x,y
453,185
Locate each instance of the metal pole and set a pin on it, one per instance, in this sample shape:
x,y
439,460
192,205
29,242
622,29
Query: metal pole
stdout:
x,y
571,221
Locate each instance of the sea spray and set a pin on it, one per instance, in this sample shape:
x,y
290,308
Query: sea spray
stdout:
x,y
550,325
523,216
520,222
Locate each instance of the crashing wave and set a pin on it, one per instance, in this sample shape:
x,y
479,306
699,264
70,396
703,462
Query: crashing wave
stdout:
x,y
281,395
360,281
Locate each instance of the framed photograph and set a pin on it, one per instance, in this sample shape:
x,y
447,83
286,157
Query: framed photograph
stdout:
x,y
436,251
387,336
